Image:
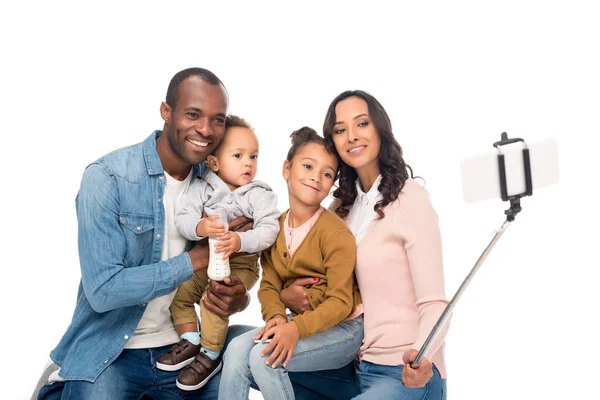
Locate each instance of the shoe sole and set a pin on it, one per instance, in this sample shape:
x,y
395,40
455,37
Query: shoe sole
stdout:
x,y
198,386
176,367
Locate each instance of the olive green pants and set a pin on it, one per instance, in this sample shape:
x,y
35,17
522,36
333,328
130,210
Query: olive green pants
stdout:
x,y
213,327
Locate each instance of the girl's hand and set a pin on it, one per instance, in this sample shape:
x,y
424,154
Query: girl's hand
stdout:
x,y
228,244
282,345
208,227
276,320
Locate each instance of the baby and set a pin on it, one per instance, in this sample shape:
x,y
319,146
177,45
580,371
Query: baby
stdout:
x,y
227,187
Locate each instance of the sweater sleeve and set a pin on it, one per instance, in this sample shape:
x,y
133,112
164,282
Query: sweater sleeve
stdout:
x,y
270,287
421,233
190,206
339,257
266,221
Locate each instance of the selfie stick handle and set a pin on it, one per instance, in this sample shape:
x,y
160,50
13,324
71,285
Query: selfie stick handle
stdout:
x,y
446,314
511,213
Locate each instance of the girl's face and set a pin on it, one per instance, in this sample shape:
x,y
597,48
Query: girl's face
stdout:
x,y
310,175
354,135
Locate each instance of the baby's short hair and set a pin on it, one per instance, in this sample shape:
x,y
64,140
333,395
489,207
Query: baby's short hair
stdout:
x,y
233,121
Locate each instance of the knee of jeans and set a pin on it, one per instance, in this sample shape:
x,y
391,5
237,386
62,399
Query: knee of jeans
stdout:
x,y
255,360
234,350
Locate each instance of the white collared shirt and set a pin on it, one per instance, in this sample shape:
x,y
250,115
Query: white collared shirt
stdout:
x,y
362,212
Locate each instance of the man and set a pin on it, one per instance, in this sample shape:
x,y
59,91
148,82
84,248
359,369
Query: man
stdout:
x,y
132,258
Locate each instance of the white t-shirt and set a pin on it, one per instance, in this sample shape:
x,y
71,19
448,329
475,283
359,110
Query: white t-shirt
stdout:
x,y
156,329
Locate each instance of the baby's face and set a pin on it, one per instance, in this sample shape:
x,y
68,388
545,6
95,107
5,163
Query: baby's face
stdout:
x,y
237,157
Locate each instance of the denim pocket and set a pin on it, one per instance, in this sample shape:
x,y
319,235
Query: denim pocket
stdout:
x,y
137,223
139,233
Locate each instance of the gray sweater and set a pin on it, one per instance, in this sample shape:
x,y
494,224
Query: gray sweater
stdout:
x,y
255,200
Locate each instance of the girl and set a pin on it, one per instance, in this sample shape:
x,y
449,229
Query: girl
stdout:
x,y
312,242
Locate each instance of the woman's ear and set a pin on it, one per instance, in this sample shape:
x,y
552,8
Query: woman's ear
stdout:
x,y
213,163
286,169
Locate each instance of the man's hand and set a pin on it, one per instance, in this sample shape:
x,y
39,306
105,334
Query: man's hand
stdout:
x,y
241,224
228,244
199,255
294,296
226,297
208,227
285,336
415,377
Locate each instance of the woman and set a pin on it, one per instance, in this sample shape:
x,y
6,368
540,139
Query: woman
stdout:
x,y
401,284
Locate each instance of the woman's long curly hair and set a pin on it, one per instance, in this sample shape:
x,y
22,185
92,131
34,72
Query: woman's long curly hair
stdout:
x,y
394,171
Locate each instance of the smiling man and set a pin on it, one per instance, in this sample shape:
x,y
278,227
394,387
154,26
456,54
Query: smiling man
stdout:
x,y
132,257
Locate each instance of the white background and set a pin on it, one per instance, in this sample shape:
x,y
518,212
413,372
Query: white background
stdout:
x,y
79,80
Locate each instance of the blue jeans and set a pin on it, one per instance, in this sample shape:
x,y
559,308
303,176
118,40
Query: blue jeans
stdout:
x,y
335,384
364,380
384,382
133,375
243,364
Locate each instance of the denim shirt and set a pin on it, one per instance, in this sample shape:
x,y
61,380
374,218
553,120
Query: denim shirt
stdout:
x,y
120,217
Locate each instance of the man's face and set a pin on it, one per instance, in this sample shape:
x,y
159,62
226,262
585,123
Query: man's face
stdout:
x,y
196,125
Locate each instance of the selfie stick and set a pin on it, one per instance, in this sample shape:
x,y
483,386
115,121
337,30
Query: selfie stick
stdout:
x,y
511,213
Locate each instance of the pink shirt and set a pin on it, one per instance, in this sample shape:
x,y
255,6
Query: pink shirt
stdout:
x,y
295,236
402,281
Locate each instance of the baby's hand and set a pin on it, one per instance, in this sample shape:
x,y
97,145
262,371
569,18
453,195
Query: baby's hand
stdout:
x,y
228,244
208,227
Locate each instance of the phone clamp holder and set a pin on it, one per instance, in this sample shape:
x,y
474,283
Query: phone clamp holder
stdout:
x,y
515,200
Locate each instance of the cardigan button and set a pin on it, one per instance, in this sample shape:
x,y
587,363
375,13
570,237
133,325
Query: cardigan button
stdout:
x,y
285,253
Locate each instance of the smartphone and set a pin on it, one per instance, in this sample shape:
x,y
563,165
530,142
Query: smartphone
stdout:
x,y
260,341
480,174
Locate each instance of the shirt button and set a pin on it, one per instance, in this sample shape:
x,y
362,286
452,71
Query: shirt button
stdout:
x,y
160,200
139,228
126,337
158,235
105,361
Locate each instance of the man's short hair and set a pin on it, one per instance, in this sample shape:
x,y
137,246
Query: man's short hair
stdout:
x,y
173,90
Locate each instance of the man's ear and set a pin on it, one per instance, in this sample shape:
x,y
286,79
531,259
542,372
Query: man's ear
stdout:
x,y
286,170
165,112
213,163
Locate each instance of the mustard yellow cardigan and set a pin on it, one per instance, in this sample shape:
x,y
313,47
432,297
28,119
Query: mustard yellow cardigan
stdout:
x,y
328,252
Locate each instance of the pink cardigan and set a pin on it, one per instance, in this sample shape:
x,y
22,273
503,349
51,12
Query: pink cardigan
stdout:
x,y
401,279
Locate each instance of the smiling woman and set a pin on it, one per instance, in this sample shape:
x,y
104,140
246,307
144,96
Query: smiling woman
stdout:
x,y
361,131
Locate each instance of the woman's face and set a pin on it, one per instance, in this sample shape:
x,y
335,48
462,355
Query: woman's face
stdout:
x,y
310,174
354,135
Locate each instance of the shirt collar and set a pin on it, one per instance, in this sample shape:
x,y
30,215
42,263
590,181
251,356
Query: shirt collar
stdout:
x,y
373,193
